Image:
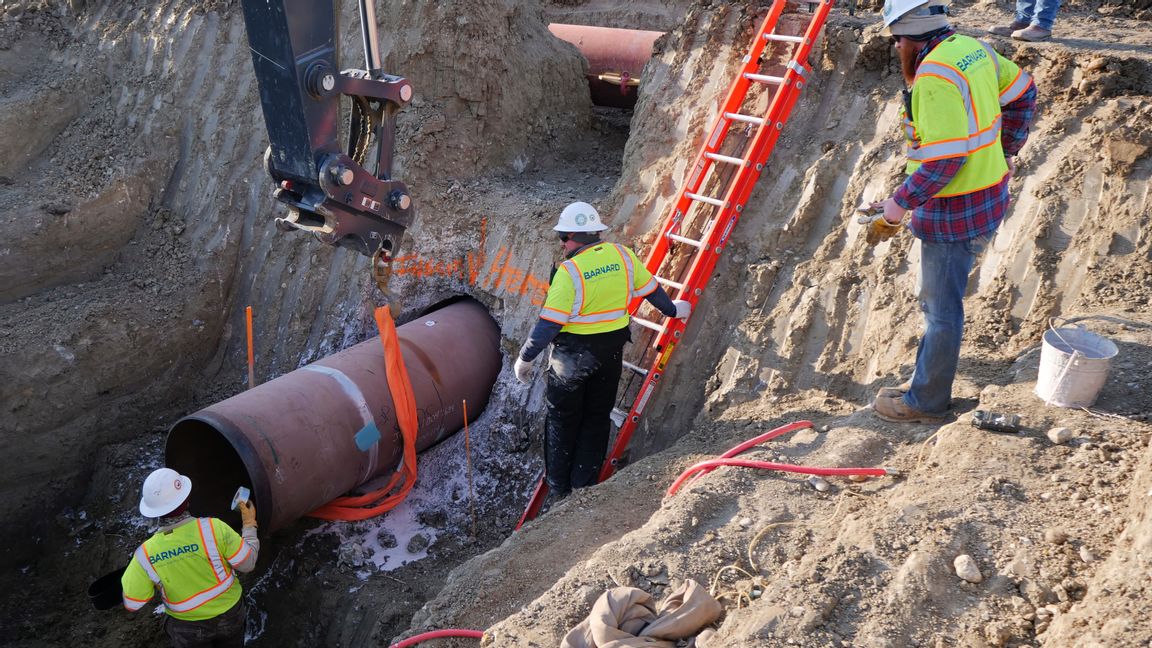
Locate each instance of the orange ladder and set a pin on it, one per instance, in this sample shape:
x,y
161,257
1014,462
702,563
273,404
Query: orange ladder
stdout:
x,y
710,203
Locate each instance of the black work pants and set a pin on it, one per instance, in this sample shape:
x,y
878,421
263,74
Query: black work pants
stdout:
x,y
224,631
583,376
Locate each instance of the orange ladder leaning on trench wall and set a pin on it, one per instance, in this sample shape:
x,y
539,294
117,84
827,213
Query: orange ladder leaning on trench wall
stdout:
x,y
709,205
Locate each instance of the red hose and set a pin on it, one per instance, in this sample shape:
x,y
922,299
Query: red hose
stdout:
x,y
767,465
767,436
438,634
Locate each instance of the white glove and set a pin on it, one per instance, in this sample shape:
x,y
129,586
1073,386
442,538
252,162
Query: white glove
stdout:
x,y
683,309
523,369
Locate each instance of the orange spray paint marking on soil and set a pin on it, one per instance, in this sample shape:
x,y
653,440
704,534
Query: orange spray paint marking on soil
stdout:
x,y
499,275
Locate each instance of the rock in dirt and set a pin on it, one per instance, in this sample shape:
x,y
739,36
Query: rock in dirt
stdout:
x,y
1055,536
966,569
1087,555
819,483
418,543
1060,435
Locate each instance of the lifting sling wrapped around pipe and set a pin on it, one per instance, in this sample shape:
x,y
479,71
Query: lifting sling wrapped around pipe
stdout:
x,y
314,434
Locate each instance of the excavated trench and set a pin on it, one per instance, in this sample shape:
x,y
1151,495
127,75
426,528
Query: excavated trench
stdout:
x,y
159,231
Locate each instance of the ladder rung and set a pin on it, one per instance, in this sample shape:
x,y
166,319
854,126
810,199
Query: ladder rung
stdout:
x,y
784,39
648,325
704,199
684,239
764,78
726,158
748,119
669,283
638,369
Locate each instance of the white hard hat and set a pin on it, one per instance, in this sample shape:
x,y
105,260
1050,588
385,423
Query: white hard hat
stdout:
x,y
916,16
580,217
164,491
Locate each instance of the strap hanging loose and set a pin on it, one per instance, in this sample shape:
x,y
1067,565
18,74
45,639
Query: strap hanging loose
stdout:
x,y
380,501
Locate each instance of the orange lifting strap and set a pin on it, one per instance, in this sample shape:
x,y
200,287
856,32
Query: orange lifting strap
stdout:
x,y
378,502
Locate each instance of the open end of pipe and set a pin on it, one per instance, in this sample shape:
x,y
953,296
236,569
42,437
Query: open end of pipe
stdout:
x,y
202,451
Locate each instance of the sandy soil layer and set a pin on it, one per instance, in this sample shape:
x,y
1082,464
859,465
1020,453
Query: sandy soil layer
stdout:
x,y
144,216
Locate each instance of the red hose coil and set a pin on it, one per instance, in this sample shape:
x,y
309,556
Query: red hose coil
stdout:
x,y
438,634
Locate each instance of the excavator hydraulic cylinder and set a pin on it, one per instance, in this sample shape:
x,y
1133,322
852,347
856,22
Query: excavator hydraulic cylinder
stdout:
x,y
314,434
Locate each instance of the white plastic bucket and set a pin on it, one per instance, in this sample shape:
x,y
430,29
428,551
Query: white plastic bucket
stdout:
x,y
1074,364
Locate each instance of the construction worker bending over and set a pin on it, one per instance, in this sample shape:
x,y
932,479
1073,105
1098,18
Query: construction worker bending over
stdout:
x,y
966,115
191,561
585,318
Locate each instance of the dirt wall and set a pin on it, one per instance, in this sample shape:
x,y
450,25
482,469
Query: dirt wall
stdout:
x,y
143,225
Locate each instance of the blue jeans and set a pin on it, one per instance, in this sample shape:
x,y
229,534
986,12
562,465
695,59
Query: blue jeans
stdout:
x,y
944,269
1041,13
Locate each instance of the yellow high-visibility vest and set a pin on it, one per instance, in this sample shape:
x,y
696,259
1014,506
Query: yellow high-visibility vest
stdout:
x,y
191,566
956,99
591,291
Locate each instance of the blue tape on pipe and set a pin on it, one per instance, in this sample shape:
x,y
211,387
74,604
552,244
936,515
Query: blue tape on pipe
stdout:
x,y
368,436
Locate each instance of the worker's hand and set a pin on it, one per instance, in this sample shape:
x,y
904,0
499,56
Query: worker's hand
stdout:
x,y
875,219
247,513
523,369
683,308
893,212
1011,160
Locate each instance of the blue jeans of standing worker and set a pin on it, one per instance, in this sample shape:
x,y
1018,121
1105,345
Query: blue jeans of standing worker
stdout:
x,y
1041,13
944,269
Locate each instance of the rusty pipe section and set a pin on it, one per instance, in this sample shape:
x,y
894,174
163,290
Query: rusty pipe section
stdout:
x,y
616,59
304,438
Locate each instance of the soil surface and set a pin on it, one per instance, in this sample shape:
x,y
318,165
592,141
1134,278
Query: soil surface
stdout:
x,y
141,226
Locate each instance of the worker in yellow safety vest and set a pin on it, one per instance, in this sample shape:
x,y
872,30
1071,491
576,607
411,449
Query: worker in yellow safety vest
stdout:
x,y
585,319
967,113
192,563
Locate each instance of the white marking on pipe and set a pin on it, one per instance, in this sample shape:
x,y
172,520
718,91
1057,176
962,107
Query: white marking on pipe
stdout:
x,y
352,390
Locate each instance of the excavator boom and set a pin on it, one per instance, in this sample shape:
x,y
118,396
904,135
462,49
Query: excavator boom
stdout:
x,y
346,196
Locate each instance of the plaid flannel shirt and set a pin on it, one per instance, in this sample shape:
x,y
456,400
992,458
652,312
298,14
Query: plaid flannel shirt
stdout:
x,y
967,216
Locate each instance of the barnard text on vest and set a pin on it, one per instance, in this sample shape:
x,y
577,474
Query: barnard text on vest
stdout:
x,y
172,553
604,269
969,60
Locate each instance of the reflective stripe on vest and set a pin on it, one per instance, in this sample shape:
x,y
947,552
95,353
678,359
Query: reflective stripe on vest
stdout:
x,y
203,596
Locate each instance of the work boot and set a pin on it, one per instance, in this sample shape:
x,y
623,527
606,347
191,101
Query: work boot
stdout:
x,y
553,498
894,409
894,392
1032,34
1006,30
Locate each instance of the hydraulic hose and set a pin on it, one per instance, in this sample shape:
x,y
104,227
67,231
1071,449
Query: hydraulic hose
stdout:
x,y
438,634
755,441
767,465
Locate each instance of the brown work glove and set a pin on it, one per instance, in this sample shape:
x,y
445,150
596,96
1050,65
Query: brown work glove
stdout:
x,y
247,513
879,229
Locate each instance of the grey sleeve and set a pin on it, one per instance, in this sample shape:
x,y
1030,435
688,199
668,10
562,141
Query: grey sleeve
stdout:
x,y
248,536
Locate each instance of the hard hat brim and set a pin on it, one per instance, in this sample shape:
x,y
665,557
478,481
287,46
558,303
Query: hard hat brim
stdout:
x,y
598,227
155,512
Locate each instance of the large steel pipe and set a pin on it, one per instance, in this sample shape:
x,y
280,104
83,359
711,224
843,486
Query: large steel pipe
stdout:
x,y
293,441
616,58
